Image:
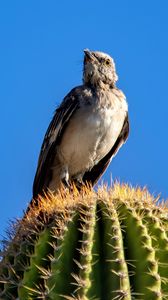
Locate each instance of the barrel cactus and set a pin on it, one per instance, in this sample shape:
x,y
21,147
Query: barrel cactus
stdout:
x,y
109,244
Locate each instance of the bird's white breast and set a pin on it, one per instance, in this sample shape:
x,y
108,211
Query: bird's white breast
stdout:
x,y
91,133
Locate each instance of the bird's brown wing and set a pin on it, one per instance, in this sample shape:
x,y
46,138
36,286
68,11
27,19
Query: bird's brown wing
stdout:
x,y
52,139
96,172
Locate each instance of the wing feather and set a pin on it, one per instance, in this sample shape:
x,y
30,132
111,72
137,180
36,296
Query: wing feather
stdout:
x,y
52,138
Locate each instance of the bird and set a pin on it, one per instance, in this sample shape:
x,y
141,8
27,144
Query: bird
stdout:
x,y
87,129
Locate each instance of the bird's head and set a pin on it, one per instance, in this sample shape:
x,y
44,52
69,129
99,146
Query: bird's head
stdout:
x,y
99,68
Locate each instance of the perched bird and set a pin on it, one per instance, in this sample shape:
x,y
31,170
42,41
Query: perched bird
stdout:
x,y
87,129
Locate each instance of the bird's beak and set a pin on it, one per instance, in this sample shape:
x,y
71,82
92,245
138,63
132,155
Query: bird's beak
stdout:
x,y
88,55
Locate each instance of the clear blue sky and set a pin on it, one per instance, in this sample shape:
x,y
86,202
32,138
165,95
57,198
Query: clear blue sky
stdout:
x,y
41,53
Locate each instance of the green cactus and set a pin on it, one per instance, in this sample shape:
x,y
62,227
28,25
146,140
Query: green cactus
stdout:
x,y
109,244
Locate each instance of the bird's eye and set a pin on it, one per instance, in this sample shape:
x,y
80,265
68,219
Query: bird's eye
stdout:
x,y
107,62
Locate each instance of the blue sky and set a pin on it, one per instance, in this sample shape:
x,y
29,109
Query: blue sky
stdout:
x,y
41,53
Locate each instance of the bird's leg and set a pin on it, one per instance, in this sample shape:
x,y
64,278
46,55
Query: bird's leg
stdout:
x,y
65,176
78,180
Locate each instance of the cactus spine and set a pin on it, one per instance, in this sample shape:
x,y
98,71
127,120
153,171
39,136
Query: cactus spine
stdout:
x,y
94,245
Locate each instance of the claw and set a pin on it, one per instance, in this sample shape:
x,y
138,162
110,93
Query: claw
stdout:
x,y
65,182
79,183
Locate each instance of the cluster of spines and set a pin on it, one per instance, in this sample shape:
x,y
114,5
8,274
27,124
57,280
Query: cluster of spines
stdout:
x,y
108,245
139,250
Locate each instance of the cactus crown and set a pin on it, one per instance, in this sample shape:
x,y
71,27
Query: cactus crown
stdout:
x,y
109,244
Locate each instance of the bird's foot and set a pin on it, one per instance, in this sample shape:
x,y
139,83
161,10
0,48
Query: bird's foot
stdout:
x,y
65,183
78,181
